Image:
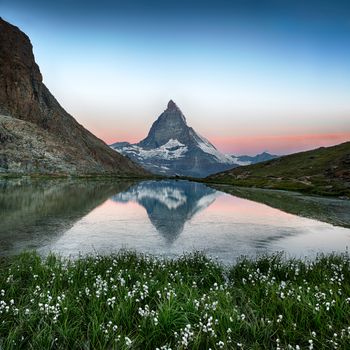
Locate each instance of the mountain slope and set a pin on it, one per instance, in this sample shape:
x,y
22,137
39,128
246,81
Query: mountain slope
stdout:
x,y
325,170
24,96
174,148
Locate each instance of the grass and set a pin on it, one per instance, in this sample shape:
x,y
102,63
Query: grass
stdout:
x,y
131,301
323,171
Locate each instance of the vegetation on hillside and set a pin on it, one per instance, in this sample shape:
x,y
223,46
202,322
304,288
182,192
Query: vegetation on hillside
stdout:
x,y
130,301
324,171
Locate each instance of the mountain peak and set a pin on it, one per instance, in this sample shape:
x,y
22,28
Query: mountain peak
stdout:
x,y
172,105
170,125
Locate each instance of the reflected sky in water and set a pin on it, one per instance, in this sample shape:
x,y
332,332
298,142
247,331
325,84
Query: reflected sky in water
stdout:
x,y
165,218
169,218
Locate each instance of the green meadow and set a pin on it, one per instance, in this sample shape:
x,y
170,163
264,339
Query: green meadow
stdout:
x,y
132,301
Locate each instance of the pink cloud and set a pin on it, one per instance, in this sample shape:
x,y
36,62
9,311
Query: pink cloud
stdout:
x,y
239,145
278,144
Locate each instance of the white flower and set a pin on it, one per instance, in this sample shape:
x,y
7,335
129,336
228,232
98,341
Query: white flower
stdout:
x,y
128,341
220,344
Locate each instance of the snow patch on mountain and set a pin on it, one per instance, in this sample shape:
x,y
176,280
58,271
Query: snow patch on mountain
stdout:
x,y
206,201
173,149
169,196
240,162
208,148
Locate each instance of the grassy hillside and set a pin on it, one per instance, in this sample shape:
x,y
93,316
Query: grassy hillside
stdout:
x,y
324,171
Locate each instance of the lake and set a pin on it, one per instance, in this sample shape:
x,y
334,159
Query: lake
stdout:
x,y
166,218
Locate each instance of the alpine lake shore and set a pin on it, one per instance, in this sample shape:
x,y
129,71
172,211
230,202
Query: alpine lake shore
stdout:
x,y
129,300
338,191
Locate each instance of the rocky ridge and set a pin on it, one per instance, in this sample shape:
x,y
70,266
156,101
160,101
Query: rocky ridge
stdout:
x,y
36,134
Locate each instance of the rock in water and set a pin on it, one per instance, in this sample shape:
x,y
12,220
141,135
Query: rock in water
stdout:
x,y
36,134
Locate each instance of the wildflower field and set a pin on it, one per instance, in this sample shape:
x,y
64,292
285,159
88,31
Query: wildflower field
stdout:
x,y
131,301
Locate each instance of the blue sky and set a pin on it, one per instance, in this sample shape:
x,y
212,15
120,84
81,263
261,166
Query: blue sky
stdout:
x,y
249,75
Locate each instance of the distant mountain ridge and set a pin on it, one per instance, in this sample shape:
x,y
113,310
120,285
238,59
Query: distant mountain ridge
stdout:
x,y
36,134
174,148
262,157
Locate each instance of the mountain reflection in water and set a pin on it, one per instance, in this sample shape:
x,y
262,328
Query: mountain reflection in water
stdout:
x,y
35,212
167,218
169,204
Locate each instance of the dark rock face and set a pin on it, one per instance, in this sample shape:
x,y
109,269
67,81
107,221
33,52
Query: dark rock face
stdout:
x,y
174,148
24,96
170,125
5,135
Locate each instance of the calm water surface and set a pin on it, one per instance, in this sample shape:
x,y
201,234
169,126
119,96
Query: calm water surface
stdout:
x,y
166,218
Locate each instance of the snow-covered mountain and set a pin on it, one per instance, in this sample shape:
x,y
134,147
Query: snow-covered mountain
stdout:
x,y
174,148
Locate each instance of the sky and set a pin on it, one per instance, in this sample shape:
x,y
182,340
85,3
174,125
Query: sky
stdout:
x,y
249,75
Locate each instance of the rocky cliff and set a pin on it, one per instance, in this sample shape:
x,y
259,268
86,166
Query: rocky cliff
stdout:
x,y
36,134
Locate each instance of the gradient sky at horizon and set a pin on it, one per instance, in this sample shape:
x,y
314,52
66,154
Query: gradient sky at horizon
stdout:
x,y
249,75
